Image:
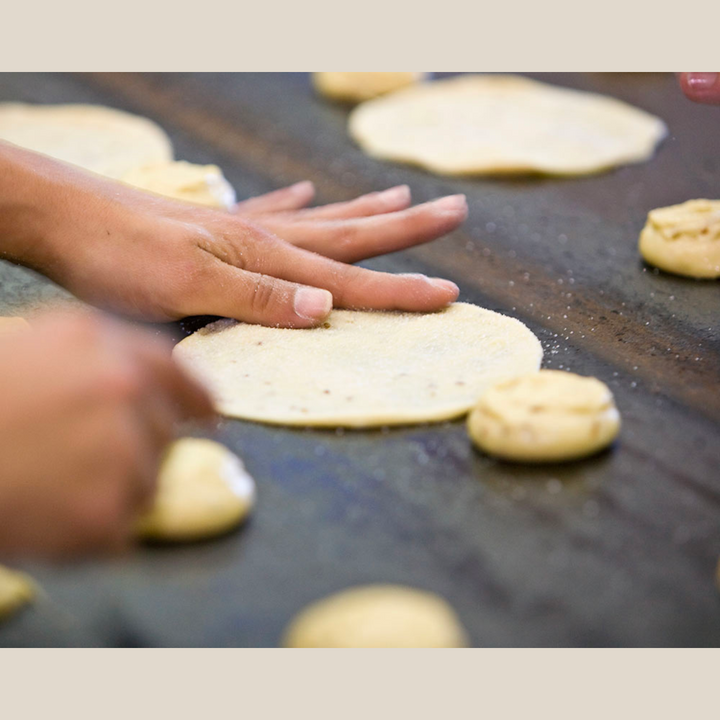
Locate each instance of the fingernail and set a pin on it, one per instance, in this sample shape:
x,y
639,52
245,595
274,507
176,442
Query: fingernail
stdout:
x,y
452,203
444,284
701,81
312,303
401,191
303,186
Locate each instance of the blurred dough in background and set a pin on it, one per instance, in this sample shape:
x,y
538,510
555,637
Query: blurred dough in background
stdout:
x,y
359,86
495,124
377,616
199,184
106,141
16,590
684,239
548,416
203,491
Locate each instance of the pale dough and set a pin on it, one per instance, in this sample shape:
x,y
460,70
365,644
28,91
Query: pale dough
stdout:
x,y
684,239
377,616
361,369
359,86
203,491
548,416
16,590
106,141
199,184
487,124
12,324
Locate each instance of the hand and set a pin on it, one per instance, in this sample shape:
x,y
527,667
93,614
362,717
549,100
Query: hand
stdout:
x,y
88,406
270,262
701,87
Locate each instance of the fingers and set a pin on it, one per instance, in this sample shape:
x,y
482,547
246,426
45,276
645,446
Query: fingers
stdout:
x,y
352,286
359,238
703,87
256,298
293,197
392,200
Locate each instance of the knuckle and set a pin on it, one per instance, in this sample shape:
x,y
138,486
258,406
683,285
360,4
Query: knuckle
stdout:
x,y
265,294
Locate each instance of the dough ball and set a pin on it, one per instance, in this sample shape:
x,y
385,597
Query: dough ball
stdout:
x,y
16,590
493,124
549,416
684,239
361,369
203,491
12,324
359,86
377,616
106,141
199,184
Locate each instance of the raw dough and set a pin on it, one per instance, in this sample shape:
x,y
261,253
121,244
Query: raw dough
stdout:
x,y
363,368
12,324
487,124
203,491
548,416
199,184
359,86
106,141
16,590
684,239
377,616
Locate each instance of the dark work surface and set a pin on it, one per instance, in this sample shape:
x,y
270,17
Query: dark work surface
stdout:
x,y
621,551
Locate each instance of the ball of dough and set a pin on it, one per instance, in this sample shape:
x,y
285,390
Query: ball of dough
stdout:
x,y
377,616
203,491
684,239
359,86
12,324
199,184
549,416
16,590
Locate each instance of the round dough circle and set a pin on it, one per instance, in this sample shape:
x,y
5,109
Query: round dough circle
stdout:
x,y
491,124
203,491
198,184
106,141
16,590
548,416
377,616
359,86
684,239
361,369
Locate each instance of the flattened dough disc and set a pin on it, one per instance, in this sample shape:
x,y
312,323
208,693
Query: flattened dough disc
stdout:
x,y
488,124
106,141
203,491
364,369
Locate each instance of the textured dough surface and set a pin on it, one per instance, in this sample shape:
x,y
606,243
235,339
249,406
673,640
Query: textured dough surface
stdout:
x,y
106,141
203,491
180,180
16,590
377,616
359,86
548,416
12,324
684,239
363,369
485,124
